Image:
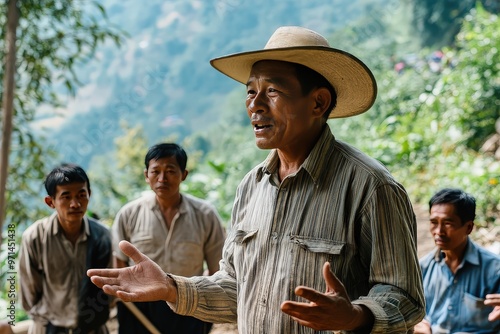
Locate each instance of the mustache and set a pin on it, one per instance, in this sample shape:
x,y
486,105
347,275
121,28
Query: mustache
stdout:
x,y
260,118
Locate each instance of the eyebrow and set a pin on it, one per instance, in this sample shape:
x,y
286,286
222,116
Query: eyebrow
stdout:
x,y
69,192
280,81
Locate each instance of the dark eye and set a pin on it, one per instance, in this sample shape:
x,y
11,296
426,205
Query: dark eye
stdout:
x,y
272,91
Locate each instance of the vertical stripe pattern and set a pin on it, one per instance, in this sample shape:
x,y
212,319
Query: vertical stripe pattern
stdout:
x,y
341,206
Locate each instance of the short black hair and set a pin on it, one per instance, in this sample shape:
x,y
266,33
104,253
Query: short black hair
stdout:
x,y
464,203
65,173
165,150
310,79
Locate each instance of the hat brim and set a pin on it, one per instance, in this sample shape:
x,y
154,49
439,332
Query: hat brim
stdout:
x,y
352,80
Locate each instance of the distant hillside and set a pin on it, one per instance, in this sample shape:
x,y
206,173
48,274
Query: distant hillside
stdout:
x,y
161,77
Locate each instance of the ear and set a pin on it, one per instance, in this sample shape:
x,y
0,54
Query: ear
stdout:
x,y
146,175
470,226
322,99
185,174
49,201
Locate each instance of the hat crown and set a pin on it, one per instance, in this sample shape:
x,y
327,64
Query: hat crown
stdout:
x,y
285,37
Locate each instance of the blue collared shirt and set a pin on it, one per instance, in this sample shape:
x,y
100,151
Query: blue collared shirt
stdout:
x,y
455,302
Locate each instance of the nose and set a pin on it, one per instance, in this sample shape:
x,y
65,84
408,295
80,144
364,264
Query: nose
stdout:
x,y
438,229
162,177
75,203
255,103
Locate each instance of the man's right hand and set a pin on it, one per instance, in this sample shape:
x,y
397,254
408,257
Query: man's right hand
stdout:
x,y
145,281
423,327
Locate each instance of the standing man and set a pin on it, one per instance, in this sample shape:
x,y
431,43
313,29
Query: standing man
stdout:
x,y
461,279
56,252
177,231
322,236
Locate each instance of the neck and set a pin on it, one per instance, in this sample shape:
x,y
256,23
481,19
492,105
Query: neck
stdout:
x,y
169,203
294,155
72,232
453,258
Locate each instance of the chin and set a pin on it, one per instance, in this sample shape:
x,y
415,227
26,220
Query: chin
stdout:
x,y
263,145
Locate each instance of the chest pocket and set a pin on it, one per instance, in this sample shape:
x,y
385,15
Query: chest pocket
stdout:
x,y
243,241
316,245
310,255
144,243
475,313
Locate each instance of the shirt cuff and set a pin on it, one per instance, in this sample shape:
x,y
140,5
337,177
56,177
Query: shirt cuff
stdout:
x,y
187,296
381,322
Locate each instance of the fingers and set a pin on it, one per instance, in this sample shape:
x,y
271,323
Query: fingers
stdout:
x,y
115,290
333,284
103,272
101,280
131,251
495,314
492,299
309,294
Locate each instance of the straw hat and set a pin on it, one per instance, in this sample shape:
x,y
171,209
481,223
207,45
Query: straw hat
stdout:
x,y
353,82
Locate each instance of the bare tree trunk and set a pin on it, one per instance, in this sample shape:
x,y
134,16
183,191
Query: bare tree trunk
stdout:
x,y
7,103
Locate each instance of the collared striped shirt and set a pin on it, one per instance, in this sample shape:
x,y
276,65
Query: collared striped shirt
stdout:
x,y
341,206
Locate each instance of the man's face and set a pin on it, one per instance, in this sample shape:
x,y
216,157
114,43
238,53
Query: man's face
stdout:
x,y
164,176
447,229
279,112
70,201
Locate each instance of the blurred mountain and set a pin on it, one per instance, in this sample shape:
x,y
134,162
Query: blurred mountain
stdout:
x,y
161,77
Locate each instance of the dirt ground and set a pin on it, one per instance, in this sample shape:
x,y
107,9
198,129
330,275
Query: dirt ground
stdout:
x,y
425,245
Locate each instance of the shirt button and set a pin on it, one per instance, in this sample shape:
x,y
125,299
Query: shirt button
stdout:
x,y
274,235
450,307
455,281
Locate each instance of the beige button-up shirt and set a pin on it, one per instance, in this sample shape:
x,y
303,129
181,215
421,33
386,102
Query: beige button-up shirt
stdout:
x,y
195,235
53,272
341,206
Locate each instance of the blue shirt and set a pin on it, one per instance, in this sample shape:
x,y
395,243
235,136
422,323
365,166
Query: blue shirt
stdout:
x,y
455,302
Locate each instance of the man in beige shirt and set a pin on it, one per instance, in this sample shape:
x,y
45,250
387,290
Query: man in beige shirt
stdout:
x,y
177,231
56,252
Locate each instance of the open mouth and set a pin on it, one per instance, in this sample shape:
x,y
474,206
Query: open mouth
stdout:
x,y
261,126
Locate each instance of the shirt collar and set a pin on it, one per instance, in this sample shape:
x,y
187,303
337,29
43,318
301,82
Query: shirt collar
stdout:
x,y
471,254
56,227
153,203
314,164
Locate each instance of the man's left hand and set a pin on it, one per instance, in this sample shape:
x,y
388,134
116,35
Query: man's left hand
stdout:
x,y
493,300
331,310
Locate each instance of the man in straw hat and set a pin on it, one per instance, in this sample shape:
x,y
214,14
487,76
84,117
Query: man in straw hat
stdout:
x,y
322,236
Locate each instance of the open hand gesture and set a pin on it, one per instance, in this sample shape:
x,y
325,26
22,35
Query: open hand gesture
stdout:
x,y
331,310
145,281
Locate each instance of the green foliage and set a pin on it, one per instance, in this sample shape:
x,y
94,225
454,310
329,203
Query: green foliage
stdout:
x,y
438,22
428,125
54,37
119,177
473,86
